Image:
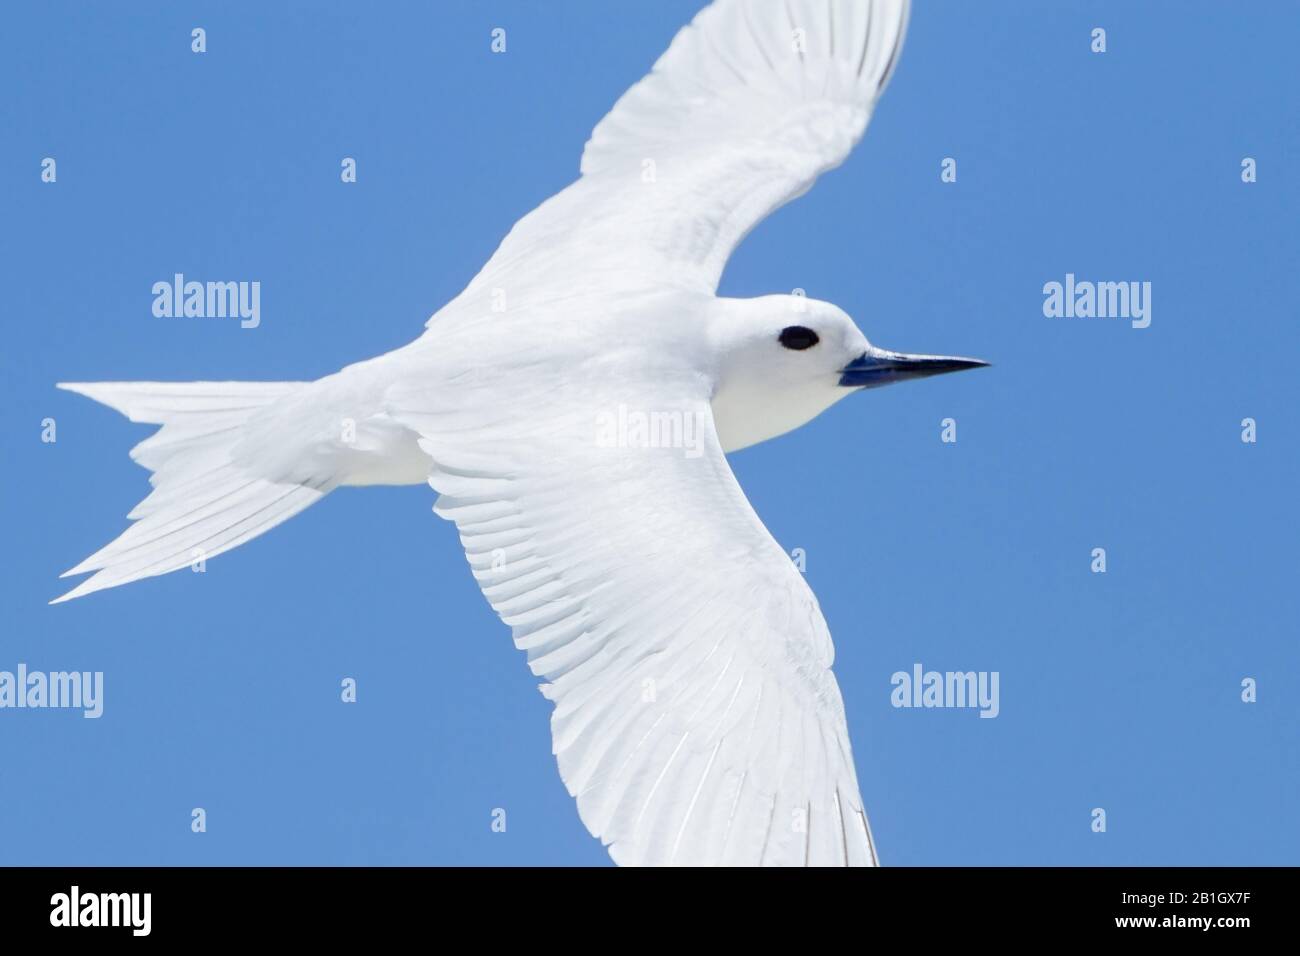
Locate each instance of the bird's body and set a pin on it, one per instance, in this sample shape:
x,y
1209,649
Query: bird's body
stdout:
x,y
572,408
580,348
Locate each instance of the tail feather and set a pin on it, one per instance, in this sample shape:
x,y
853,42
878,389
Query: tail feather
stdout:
x,y
204,501
160,403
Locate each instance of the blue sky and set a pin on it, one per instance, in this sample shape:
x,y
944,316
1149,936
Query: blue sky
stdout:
x,y
1118,690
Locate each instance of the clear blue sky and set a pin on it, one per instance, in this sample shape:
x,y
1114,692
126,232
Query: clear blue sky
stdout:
x,y
222,689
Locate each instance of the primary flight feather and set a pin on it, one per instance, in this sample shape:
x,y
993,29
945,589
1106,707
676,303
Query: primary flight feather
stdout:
x,y
572,408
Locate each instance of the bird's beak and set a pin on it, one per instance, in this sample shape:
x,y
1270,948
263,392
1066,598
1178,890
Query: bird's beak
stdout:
x,y
877,367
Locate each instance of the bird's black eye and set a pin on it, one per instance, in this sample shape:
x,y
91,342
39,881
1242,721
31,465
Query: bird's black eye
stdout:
x,y
798,338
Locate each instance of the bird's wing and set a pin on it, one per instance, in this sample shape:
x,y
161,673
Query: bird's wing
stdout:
x,y
752,101
696,718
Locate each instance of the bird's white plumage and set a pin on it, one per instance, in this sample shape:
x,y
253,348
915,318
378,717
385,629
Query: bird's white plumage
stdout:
x,y
203,503
696,718
750,104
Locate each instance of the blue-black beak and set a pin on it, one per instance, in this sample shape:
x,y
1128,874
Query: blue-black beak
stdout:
x,y
878,367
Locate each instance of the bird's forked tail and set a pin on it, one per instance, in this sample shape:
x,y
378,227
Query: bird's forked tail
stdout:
x,y
205,500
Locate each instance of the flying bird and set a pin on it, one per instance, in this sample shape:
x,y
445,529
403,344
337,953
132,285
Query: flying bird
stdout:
x,y
572,408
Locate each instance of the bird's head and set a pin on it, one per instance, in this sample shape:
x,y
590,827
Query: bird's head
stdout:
x,y
784,359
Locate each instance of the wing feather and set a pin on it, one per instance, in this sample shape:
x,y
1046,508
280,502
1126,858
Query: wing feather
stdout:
x,y
752,101
696,720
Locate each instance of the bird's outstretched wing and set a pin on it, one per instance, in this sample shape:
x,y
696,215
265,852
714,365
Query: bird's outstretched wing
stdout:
x,y
750,104
696,718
